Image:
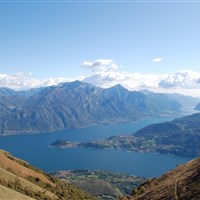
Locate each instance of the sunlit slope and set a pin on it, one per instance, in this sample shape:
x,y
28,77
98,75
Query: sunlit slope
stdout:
x,y
6,193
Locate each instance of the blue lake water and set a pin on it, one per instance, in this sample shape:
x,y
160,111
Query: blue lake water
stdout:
x,y
35,149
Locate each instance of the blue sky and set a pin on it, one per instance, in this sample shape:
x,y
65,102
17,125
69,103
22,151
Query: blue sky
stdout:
x,y
52,39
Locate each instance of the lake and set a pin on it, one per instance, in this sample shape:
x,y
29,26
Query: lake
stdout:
x,y
35,150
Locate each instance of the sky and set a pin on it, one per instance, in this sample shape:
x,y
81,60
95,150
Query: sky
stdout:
x,y
42,40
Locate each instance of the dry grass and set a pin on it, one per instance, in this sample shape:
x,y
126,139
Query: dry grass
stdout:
x,y
7,178
6,193
22,171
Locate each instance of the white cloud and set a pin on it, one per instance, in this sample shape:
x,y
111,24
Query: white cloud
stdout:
x,y
101,65
105,73
186,79
18,81
24,81
185,82
132,81
158,59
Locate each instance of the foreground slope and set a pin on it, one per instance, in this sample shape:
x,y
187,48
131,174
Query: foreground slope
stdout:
x,y
21,179
6,193
182,183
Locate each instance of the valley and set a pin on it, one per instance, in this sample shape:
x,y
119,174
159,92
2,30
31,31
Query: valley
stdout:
x,y
99,100
106,157
98,140
105,185
52,159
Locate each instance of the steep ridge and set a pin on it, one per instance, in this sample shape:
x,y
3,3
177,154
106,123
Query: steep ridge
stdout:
x,y
182,183
19,178
75,105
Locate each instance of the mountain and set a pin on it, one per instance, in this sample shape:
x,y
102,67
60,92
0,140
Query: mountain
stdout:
x,y
187,103
181,183
77,104
180,137
19,180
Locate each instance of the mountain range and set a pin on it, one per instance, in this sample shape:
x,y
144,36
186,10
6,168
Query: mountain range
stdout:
x,y
78,104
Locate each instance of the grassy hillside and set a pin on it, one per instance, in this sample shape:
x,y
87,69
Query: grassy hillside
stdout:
x,y
18,177
6,193
182,183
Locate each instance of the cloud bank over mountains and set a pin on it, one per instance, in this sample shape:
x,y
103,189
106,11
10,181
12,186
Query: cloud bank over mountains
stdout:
x,y
25,81
105,73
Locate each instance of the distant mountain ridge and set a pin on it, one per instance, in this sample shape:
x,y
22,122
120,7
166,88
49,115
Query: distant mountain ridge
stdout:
x,y
188,103
75,105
